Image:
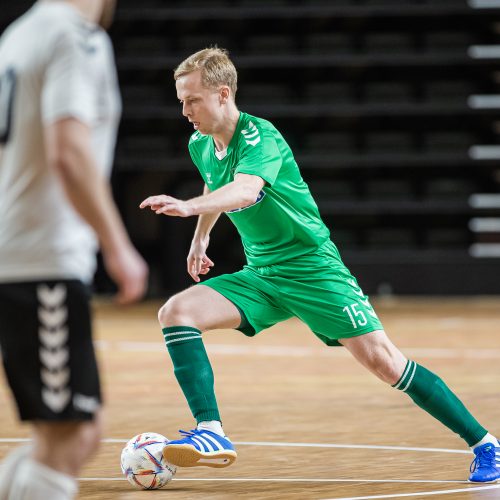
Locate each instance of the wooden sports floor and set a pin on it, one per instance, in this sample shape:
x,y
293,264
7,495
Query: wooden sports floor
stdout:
x,y
308,422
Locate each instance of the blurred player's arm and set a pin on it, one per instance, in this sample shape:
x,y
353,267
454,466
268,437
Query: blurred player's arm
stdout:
x,y
240,193
69,153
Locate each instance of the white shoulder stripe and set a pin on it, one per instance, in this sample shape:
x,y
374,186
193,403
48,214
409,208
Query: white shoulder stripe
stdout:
x,y
251,135
254,142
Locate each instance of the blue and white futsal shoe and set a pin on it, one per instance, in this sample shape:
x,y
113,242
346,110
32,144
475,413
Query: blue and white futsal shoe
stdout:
x,y
486,466
200,448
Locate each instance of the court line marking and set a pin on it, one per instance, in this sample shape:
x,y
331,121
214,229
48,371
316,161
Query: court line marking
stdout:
x,y
297,351
287,480
296,445
318,480
420,493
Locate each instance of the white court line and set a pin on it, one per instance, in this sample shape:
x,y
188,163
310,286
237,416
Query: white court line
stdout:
x,y
421,493
286,480
296,445
298,351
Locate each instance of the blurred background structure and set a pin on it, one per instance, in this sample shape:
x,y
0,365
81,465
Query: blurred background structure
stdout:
x,y
392,108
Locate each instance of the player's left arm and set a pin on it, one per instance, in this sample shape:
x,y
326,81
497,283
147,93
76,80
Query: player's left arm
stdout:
x,y
240,193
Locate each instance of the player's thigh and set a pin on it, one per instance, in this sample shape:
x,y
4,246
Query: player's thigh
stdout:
x,y
199,306
254,295
330,301
47,350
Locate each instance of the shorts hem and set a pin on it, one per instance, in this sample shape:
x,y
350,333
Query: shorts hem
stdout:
x,y
335,342
250,330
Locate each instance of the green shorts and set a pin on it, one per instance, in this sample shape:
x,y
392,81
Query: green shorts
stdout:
x,y
317,288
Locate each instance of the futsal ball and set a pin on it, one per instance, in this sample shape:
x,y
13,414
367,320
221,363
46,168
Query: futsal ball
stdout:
x,y
143,464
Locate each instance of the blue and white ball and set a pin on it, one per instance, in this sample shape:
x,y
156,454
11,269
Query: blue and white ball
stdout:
x,y
143,464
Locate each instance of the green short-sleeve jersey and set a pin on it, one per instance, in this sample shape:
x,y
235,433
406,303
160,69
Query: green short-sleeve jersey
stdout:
x,y
284,221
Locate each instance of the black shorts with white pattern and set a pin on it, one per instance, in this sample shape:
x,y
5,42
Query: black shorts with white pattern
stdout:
x,y
47,350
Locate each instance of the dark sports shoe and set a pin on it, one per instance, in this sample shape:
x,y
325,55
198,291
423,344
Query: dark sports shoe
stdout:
x,y
200,448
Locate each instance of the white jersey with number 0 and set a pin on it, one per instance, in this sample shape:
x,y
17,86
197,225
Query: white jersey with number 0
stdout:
x,y
53,65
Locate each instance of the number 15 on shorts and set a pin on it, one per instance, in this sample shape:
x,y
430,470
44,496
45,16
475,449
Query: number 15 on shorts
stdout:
x,y
356,316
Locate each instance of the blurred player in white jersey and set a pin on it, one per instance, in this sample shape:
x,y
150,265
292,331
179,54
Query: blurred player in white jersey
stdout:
x,y
59,113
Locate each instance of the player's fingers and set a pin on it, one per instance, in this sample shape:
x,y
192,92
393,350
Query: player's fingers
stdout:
x,y
198,264
194,275
166,212
147,202
208,261
151,201
191,269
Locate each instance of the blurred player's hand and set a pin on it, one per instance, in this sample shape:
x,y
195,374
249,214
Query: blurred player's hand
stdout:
x,y
197,260
129,271
167,205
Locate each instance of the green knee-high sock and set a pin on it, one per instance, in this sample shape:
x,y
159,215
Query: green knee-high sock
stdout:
x,y
432,395
193,370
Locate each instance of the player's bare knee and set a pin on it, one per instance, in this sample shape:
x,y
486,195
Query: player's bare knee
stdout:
x,y
176,312
387,369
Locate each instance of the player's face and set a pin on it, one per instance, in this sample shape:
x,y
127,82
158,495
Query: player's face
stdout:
x,y
108,12
200,105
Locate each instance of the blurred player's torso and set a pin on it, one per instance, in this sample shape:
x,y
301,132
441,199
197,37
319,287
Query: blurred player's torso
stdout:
x,y
284,222
53,65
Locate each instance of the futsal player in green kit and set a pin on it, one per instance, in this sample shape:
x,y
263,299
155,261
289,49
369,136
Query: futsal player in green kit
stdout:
x,y
293,270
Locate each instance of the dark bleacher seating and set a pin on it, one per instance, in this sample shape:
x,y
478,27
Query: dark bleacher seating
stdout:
x,y
393,141
388,43
329,43
371,94
330,91
389,92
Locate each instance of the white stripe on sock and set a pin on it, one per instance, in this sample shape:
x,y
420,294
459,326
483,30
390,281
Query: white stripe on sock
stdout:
x,y
183,338
181,333
404,375
411,378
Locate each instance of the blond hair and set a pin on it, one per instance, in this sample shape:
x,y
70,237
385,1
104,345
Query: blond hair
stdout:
x,y
215,65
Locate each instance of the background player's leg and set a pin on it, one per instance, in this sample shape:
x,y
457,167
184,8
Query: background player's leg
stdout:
x,y
183,318
65,446
377,353
48,468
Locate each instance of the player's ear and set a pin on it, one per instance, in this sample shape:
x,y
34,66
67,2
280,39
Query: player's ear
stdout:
x,y
224,94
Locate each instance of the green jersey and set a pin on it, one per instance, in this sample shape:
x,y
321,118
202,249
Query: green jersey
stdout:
x,y
284,220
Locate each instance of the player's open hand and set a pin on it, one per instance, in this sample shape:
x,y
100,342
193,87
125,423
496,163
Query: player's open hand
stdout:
x,y
197,261
167,205
129,271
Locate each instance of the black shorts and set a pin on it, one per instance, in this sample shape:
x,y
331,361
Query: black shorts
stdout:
x,y
47,350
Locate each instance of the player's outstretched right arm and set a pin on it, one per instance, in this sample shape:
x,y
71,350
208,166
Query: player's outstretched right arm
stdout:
x,y
68,147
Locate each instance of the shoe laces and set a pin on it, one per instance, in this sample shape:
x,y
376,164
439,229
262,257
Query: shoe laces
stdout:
x,y
485,458
190,433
